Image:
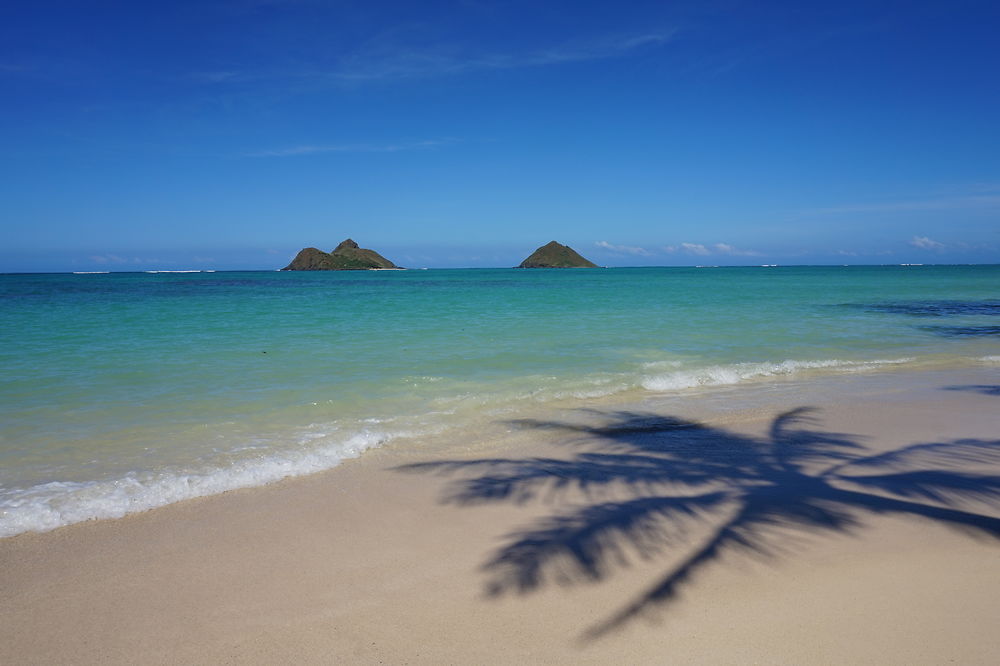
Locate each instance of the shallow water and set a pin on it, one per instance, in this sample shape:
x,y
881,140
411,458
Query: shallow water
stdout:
x,y
124,391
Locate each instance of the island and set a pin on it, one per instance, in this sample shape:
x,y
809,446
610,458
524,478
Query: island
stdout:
x,y
345,257
555,255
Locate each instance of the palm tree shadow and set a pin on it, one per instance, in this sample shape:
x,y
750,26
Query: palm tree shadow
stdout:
x,y
985,389
647,479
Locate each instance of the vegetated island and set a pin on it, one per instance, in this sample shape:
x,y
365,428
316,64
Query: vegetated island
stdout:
x,y
345,257
554,255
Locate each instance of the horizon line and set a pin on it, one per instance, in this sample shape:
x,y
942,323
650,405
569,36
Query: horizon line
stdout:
x,y
475,268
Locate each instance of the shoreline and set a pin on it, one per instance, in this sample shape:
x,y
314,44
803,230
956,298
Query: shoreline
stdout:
x,y
364,562
686,389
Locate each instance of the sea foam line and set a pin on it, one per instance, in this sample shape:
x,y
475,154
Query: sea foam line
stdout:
x,y
47,506
722,375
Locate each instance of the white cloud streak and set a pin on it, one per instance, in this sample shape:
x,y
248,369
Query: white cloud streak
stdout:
x,y
725,248
217,77
695,248
387,59
984,201
624,249
390,62
925,243
698,249
118,260
350,148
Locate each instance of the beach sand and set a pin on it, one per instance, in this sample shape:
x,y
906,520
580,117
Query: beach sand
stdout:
x,y
368,564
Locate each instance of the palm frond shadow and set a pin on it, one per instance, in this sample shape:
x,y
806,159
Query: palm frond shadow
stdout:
x,y
985,389
647,479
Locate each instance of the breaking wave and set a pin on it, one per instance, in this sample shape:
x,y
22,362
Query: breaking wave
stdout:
x,y
50,505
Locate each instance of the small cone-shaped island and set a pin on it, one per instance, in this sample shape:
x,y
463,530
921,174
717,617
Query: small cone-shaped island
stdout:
x,y
554,255
345,257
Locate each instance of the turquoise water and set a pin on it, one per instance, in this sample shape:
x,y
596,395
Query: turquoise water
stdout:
x,y
125,391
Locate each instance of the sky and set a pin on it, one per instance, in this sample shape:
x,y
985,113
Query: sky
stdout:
x,y
228,134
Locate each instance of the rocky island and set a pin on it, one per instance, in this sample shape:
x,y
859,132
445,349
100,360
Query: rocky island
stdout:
x,y
555,255
345,257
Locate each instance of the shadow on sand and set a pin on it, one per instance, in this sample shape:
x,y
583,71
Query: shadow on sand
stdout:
x,y
645,480
985,389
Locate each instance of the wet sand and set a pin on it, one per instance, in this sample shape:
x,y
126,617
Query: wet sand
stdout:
x,y
368,563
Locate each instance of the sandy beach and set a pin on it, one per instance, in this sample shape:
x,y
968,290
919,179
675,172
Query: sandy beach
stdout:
x,y
619,534
500,333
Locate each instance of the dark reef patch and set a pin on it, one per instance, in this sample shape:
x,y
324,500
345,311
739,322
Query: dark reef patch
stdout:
x,y
932,308
963,331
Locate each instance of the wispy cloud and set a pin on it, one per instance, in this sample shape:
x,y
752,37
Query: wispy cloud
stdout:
x,y
689,248
725,248
973,201
382,61
969,189
624,249
219,76
15,69
699,249
925,243
387,58
105,259
351,148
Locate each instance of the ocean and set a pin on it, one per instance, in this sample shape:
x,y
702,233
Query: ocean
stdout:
x,y
125,391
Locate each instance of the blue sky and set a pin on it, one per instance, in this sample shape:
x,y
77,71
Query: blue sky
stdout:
x,y
230,133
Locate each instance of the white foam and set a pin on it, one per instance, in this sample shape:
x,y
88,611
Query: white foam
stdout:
x,y
722,375
48,506
658,365
595,390
989,359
